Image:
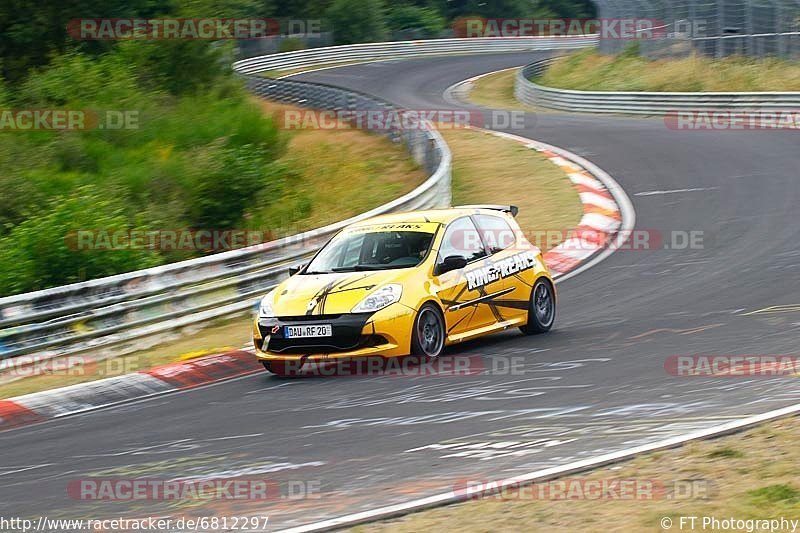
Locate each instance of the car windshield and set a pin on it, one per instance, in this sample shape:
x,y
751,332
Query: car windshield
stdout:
x,y
352,251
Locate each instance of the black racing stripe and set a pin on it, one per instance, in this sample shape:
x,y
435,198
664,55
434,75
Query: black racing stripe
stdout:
x,y
523,281
495,311
471,315
484,298
340,289
353,280
320,297
460,320
512,304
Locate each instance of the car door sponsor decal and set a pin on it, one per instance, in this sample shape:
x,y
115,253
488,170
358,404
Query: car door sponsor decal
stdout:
x,y
494,270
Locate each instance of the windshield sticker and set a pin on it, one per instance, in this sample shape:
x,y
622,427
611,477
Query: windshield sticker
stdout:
x,y
424,227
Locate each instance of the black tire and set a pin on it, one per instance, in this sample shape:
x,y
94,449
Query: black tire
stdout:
x,y
541,309
283,368
428,334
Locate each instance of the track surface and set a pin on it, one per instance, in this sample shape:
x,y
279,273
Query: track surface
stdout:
x,y
596,384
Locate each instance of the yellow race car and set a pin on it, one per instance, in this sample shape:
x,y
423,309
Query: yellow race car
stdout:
x,y
407,284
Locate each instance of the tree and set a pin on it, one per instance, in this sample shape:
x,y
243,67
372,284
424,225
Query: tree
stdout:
x,y
423,20
357,21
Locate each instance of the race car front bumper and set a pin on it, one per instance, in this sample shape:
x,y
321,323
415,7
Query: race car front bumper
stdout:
x,y
385,333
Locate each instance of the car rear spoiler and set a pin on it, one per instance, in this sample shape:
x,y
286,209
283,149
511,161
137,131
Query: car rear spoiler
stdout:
x,y
504,208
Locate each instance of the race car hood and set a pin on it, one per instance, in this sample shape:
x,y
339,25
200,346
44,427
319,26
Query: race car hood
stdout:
x,y
318,294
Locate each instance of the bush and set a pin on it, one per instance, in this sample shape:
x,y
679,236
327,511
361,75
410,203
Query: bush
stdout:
x,y
226,181
40,252
203,156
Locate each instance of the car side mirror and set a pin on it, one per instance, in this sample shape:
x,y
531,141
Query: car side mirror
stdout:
x,y
295,269
452,262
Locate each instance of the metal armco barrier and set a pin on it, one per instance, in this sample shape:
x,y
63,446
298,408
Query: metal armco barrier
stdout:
x,y
641,103
406,49
122,310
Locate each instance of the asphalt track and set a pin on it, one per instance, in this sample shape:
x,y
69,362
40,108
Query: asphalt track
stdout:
x,y
596,384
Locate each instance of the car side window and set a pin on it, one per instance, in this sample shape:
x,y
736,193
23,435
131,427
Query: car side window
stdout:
x,y
496,232
461,238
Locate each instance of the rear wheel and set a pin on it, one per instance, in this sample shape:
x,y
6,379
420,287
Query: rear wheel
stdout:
x,y
283,368
542,308
427,337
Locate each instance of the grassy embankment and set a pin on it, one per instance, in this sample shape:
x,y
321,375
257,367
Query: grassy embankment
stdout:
x,y
746,476
589,70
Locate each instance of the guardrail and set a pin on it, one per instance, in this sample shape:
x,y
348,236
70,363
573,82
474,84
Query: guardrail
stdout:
x,y
122,310
642,103
407,49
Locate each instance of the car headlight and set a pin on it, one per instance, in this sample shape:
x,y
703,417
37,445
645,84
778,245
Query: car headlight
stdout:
x,y
386,295
265,309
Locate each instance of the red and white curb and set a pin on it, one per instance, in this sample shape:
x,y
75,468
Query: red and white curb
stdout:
x,y
608,214
173,377
600,222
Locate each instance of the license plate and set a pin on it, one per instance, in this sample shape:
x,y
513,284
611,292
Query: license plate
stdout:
x,y
308,330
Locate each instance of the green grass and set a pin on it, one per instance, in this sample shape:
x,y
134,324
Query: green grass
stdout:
x,y
589,70
545,197
725,452
337,174
775,494
496,91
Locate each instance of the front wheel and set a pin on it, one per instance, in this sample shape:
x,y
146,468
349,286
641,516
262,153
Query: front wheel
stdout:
x,y
427,337
542,308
